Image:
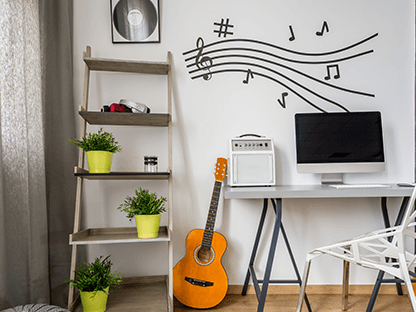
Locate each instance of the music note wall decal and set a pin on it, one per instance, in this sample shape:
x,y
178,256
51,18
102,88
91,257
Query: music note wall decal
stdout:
x,y
324,27
292,33
224,32
283,102
328,70
249,74
205,62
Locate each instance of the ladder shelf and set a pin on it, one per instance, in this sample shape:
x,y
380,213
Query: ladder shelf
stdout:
x,y
150,293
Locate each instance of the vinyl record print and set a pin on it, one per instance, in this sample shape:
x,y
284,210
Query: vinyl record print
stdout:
x,y
135,21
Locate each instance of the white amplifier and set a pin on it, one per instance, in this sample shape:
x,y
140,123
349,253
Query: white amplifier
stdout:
x,y
252,161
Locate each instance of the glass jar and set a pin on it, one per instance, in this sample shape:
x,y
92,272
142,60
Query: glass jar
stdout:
x,y
150,163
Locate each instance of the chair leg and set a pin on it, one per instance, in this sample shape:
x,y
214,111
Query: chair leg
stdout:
x,y
345,285
303,286
408,282
411,292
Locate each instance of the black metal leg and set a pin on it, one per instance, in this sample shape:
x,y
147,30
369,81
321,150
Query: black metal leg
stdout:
x,y
273,244
262,293
380,276
292,257
385,213
375,291
256,245
387,225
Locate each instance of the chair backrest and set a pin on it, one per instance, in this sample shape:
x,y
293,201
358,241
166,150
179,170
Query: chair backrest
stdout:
x,y
410,214
407,243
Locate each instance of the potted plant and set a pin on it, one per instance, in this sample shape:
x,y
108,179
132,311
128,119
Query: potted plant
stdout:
x,y
146,208
93,281
99,148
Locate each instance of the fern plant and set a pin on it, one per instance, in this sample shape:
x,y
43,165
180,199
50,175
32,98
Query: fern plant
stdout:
x,y
101,141
95,276
144,203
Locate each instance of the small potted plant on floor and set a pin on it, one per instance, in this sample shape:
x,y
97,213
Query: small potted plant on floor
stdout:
x,y
99,148
146,208
93,281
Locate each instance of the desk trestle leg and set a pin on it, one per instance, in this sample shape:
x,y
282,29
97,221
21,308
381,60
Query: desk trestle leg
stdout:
x,y
261,294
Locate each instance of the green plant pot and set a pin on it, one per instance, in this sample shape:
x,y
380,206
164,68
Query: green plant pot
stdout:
x,y
148,225
99,161
91,303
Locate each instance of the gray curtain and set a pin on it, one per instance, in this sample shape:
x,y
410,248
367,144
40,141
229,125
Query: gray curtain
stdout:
x,y
61,156
37,187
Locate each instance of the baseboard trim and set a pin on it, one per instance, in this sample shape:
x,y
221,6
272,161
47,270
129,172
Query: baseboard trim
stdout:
x,y
318,289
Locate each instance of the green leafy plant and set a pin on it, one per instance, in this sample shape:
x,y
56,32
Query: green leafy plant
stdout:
x,y
95,276
101,141
144,203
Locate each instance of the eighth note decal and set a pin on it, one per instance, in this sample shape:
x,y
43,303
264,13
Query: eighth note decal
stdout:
x,y
288,68
324,28
249,74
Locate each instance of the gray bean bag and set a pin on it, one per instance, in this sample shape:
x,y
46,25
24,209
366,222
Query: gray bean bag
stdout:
x,y
36,308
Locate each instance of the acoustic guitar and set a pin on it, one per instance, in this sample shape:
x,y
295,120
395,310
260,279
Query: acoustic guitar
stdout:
x,y
199,279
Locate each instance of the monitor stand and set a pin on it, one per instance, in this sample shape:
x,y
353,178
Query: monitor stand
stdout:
x,y
332,178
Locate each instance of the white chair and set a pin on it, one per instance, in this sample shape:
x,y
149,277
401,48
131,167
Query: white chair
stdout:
x,y
383,250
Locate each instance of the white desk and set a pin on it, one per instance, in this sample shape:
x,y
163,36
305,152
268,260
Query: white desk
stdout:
x,y
276,194
313,191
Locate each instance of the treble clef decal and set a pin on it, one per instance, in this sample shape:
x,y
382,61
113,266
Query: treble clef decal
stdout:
x,y
205,62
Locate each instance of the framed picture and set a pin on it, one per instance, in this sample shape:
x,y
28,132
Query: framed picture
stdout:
x,y
135,21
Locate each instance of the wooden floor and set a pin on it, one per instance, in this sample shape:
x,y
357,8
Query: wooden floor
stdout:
x,y
319,303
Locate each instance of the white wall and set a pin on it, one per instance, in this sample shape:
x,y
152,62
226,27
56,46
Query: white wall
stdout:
x,y
208,113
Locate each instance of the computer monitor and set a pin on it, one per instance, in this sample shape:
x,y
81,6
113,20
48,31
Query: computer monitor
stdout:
x,y
336,143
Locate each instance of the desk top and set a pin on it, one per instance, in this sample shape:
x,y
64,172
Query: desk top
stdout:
x,y
313,191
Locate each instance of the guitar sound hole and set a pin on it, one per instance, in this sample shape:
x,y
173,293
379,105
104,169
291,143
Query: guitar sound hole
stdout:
x,y
204,255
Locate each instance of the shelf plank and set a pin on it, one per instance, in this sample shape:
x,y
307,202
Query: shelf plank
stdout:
x,y
148,293
125,119
121,175
127,66
116,235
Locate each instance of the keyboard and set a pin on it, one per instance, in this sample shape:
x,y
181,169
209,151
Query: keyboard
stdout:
x,y
348,186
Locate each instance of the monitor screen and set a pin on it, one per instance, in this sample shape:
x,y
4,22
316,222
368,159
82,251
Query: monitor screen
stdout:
x,y
339,142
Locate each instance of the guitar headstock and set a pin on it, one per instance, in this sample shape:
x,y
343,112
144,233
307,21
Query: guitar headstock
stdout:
x,y
220,169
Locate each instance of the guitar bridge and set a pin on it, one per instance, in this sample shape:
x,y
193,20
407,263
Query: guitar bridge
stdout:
x,y
197,282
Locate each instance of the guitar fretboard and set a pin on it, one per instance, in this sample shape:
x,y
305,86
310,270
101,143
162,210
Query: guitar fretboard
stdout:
x,y
209,226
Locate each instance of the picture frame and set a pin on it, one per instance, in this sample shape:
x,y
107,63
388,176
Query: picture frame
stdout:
x,y
135,21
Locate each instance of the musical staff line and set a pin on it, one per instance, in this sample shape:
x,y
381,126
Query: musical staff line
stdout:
x,y
275,80
285,49
282,58
291,69
269,77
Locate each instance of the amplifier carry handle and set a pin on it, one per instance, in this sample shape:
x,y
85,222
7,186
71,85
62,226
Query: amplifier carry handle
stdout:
x,y
250,134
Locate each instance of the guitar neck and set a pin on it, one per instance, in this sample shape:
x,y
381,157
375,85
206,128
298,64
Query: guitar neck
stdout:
x,y
209,226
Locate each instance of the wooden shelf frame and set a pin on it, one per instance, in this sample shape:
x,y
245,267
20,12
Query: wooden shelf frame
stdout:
x,y
115,235
121,175
124,66
146,293
125,235
125,119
